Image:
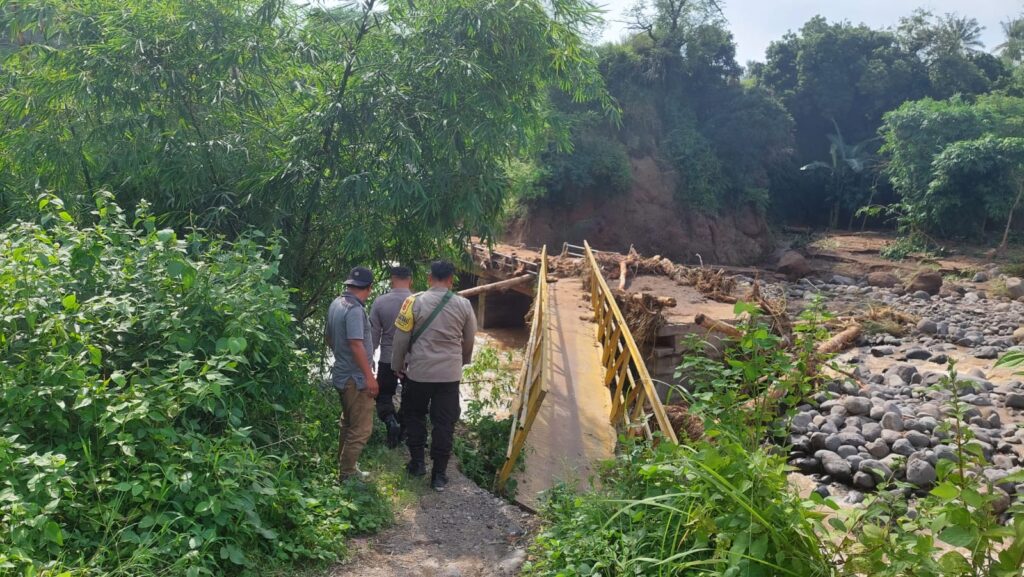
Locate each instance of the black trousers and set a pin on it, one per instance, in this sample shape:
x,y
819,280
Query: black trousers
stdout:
x,y
441,402
388,381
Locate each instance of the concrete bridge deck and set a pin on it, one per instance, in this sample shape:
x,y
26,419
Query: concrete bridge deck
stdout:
x,y
572,432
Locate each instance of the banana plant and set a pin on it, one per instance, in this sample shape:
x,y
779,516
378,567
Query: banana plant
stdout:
x,y
846,162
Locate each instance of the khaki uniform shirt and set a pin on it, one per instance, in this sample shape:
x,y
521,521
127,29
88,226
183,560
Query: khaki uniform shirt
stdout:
x,y
445,346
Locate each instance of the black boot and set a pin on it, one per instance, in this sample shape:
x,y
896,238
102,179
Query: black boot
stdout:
x,y
439,476
439,480
416,467
394,431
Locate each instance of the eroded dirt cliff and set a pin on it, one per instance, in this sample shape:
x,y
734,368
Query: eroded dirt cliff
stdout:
x,y
650,219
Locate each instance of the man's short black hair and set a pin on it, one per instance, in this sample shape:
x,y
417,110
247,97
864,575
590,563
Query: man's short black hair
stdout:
x,y
442,270
401,272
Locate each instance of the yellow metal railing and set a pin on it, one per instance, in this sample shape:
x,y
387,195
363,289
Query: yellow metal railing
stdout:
x,y
533,378
635,401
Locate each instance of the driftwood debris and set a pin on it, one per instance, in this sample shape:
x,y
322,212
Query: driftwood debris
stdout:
x,y
498,286
840,341
717,326
647,300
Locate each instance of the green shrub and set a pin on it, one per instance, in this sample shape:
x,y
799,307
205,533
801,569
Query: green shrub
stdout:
x,y
597,167
157,416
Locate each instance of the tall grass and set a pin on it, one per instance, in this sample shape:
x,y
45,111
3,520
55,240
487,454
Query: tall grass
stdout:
x,y
714,507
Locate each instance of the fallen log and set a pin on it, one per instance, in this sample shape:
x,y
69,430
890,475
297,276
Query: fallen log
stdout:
x,y
841,341
497,286
717,326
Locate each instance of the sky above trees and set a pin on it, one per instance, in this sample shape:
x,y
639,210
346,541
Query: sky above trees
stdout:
x,y
755,23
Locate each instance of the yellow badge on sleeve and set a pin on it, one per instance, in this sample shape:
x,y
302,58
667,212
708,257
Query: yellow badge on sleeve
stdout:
x,y
404,322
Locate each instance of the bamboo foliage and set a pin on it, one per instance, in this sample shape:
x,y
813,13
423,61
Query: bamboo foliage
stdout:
x,y
363,133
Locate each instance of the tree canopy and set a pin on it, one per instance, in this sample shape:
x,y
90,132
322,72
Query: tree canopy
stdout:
x,y
365,133
851,75
955,163
682,101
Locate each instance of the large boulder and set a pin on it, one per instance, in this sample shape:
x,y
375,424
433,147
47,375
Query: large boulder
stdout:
x,y
793,265
883,279
920,472
929,281
1014,287
1018,335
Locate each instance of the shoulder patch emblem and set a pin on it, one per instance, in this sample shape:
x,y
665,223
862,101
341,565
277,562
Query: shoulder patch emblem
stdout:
x,y
404,321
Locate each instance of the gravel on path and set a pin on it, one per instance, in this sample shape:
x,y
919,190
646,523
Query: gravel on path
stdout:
x,y
464,531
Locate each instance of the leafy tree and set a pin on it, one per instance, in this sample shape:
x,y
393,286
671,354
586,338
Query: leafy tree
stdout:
x,y
950,46
682,102
983,177
831,74
1012,49
951,163
364,134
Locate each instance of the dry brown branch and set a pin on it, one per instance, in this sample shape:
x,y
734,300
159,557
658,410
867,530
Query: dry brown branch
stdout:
x,y
684,423
718,326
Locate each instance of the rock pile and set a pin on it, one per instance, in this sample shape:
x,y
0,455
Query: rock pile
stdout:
x,y
898,426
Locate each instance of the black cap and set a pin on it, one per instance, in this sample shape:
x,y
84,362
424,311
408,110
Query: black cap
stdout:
x,y
401,272
359,277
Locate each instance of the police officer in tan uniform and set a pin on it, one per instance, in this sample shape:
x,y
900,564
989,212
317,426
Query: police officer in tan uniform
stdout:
x,y
435,333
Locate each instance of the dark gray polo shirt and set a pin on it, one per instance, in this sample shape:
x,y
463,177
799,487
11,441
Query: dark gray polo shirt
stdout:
x,y
347,319
382,318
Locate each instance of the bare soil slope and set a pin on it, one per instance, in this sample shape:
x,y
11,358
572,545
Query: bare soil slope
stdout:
x,y
649,218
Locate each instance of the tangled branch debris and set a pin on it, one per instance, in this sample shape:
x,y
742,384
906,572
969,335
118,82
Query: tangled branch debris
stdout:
x,y
714,284
882,319
644,315
684,423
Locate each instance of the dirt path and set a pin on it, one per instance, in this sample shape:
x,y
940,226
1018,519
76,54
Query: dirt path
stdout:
x,y
463,532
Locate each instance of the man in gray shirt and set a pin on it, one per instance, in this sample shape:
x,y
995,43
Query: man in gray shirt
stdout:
x,y
382,319
435,335
349,337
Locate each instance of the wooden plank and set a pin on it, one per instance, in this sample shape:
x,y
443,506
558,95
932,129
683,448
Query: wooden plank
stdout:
x,y
533,387
497,286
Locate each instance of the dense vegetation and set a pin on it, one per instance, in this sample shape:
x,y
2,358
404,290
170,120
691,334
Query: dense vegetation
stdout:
x,y
683,104
183,184
182,187
810,132
157,413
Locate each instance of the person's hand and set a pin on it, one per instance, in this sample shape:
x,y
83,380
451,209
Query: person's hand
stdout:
x,y
372,388
400,375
